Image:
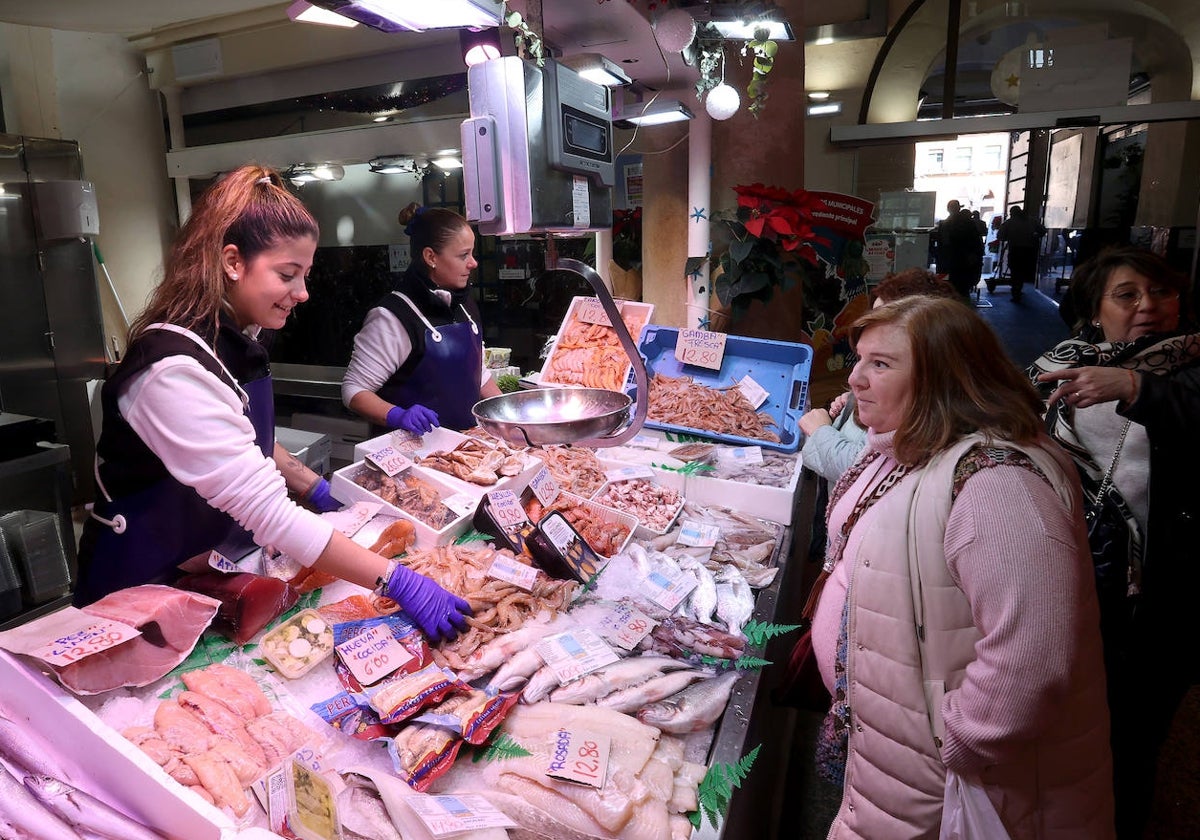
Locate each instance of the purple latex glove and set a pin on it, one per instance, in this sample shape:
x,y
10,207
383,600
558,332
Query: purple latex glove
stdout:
x,y
320,496
439,613
418,419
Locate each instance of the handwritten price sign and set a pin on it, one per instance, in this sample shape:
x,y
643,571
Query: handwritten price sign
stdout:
x,y
506,509
625,626
373,654
544,487
389,460
591,311
701,348
84,641
580,757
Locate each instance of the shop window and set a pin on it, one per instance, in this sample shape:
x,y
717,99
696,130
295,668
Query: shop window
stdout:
x,y
991,158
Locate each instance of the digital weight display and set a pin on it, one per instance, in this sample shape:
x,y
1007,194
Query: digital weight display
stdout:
x,y
585,135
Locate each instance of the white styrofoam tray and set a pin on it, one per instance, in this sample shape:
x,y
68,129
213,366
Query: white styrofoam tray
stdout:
x,y
103,762
443,440
345,489
777,504
633,310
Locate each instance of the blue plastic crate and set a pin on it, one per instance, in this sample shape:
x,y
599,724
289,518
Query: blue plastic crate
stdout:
x,y
780,367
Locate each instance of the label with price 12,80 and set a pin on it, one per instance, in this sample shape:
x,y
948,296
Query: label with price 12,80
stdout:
x,y
701,348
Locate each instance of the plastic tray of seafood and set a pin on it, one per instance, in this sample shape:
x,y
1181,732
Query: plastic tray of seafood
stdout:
x,y
438,511
586,350
687,398
468,464
765,489
655,505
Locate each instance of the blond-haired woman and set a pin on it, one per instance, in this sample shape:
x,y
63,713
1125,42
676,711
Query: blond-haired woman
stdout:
x,y
957,629
186,460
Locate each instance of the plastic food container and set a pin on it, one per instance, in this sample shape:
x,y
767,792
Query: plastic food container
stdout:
x,y
645,530
297,645
312,806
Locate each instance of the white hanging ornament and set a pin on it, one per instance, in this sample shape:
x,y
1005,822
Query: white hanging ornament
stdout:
x,y
674,30
722,102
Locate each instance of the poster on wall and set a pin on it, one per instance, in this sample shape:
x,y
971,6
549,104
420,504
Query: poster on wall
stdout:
x,y
1063,188
632,174
881,256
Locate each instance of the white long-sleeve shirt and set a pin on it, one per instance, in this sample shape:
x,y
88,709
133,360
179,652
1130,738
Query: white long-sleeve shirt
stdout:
x,y
194,423
380,348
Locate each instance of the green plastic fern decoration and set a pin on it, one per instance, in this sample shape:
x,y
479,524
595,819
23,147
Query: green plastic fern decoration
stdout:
x,y
499,748
717,787
757,633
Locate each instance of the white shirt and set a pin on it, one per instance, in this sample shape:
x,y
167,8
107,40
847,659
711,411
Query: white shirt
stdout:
x,y
194,423
380,348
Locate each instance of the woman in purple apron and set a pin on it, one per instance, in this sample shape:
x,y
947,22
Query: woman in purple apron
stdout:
x,y
186,462
418,359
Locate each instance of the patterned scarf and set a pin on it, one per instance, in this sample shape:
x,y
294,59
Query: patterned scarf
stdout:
x,y
1155,355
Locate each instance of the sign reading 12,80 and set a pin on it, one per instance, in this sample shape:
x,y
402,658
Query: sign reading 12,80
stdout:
x,y
701,348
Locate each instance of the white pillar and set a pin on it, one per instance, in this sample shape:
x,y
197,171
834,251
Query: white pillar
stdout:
x,y
699,210
183,192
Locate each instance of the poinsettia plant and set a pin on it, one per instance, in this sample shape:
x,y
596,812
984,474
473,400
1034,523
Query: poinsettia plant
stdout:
x,y
627,238
768,243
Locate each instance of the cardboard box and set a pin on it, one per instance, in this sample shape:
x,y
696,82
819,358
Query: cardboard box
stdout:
x,y
345,489
103,762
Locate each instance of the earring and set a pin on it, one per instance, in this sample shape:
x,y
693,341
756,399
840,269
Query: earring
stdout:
x,y
1095,323
233,276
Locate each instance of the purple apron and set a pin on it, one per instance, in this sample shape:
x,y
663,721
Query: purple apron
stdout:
x,y
447,377
143,537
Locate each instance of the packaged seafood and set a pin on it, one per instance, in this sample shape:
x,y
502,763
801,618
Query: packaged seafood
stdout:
x,y
423,497
551,542
312,806
299,644
586,350
781,368
606,529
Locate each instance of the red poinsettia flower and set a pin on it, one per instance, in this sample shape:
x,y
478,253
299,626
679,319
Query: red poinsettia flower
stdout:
x,y
749,195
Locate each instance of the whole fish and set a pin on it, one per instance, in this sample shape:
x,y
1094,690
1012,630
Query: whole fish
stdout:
x,y
88,814
22,816
516,672
25,749
540,685
703,599
735,601
694,709
363,813
628,672
629,700
502,648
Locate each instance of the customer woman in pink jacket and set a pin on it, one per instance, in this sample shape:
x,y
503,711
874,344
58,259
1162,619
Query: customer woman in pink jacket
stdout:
x,y
957,629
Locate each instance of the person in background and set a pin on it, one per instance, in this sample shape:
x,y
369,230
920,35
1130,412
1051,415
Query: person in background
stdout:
x,y
1126,389
959,249
832,438
418,359
957,628
186,462
1023,236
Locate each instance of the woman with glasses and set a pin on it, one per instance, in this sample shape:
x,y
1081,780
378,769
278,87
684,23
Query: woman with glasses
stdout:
x,y
1123,398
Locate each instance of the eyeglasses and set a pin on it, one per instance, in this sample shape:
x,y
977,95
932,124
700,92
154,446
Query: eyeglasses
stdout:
x,y
1132,298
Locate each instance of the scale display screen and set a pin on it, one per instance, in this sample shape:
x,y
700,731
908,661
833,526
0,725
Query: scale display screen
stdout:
x,y
585,135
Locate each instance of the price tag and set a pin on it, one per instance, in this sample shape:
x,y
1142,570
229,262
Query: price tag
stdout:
x,y
625,626
445,815
699,534
461,503
218,561
645,442
740,454
629,473
577,652
701,348
668,590
389,460
88,637
589,310
406,441
509,570
350,520
544,487
373,654
754,393
579,756
581,203
506,509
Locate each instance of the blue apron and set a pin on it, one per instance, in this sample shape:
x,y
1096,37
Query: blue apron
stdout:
x,y
446,378
142,537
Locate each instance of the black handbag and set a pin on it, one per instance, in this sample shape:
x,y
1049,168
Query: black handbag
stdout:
x,y
1108,536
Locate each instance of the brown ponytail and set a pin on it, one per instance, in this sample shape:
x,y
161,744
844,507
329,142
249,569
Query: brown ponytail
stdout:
x,y
249,208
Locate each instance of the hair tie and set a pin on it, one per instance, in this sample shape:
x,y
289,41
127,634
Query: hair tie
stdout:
x,y
408,228
266,179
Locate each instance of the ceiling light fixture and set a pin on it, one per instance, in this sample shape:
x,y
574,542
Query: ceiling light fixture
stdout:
x,y
824,109
740,21
447,162
818,95
419,15
393,165
306,12
596,68
306,173
655,112
479,45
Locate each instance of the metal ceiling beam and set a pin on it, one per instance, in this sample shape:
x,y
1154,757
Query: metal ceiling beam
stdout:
x,y
874,133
